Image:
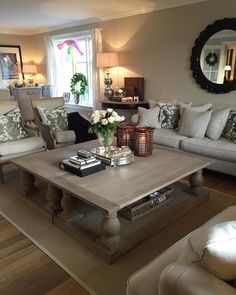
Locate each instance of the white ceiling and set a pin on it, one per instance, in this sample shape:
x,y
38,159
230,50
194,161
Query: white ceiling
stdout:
x,y
27,17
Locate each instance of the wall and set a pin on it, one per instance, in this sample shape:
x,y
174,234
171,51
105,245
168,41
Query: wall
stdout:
x,y
158,46
25,44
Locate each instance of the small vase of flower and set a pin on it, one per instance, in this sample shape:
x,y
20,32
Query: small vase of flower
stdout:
x,y
103,123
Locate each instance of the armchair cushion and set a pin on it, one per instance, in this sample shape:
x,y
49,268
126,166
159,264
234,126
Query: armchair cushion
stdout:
x,y
56,118
21,146
64,136
214,249
11,126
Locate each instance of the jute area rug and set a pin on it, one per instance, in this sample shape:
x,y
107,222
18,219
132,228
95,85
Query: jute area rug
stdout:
x,y
86,268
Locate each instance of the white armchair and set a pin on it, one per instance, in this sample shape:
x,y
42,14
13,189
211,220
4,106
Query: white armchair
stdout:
x,y
15,139
175,272
51,119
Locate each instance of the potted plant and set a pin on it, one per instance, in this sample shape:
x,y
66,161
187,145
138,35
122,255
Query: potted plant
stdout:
x,y
78,85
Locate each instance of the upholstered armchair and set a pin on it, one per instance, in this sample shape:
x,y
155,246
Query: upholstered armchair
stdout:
x,y
51,119
15,139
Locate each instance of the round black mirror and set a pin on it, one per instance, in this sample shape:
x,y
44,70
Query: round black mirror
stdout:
x,y
213,59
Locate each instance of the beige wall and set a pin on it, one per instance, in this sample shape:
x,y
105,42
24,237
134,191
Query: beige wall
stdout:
x,y
156,46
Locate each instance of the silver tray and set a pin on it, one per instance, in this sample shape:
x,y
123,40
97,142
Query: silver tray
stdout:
x,y
113,155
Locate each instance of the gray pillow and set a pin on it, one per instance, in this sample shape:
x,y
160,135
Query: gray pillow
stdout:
x,y
229,131
217,123
194,123
55,118
11,126
149,117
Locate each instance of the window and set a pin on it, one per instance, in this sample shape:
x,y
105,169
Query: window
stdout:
x,y
72,54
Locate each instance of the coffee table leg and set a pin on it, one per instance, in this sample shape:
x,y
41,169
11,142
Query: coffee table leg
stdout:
x,y
196,181
27,186
68,204
54,196
110,228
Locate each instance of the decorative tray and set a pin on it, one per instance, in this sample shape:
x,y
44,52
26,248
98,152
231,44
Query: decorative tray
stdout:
x,y
113,155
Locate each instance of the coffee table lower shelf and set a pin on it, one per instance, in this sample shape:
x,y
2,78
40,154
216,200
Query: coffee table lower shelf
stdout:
x,y
83,224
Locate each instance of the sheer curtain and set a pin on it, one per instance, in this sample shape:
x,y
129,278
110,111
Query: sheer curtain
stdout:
x,y
97,47
51,64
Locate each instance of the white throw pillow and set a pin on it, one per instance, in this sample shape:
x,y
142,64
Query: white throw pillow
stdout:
x,y
217,123
135,118
214,249
194,123
183,106
149,117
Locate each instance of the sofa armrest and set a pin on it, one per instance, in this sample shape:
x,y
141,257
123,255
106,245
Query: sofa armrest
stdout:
x,y
190,279
46,134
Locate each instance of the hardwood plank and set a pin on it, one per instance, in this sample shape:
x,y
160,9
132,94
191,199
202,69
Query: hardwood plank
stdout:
x,y
25,269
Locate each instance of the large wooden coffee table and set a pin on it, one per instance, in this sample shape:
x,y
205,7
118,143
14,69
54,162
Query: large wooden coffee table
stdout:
x,y
108,191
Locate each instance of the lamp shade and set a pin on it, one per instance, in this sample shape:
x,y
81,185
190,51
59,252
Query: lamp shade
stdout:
x,y
227,68
107,60
30,69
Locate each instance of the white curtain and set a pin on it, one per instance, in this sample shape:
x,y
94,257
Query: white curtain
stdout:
x,y
97,47
51,64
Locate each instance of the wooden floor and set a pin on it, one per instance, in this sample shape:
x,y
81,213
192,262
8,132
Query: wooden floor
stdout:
x,y
26,270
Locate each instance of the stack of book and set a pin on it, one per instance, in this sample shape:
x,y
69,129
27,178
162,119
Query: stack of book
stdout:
x,y
82,165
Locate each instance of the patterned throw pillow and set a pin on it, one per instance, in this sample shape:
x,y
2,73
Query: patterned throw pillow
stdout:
x,y
229,131
55,118
169,115
11,126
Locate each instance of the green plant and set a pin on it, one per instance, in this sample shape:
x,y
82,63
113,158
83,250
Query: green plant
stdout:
x,y
78,84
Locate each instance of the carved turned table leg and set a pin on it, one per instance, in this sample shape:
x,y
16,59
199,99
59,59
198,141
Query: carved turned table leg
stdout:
x,y
27,186
68,204
110,228
196,181
54,196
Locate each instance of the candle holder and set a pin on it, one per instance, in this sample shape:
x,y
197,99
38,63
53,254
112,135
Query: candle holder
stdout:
x,y
143,141
125,135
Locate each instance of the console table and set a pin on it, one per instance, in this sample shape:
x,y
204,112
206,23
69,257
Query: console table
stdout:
x,y
120,105
126,109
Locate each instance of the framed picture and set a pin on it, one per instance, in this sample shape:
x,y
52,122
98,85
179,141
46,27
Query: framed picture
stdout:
x,y
66,96
10,62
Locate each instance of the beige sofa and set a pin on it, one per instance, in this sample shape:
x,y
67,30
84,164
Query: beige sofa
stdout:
x,y
222,150
165,275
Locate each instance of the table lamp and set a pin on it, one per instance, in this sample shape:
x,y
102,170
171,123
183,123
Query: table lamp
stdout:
x,y
30,70
107,60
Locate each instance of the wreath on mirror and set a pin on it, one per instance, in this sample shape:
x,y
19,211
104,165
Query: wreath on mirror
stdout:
x,y
211,59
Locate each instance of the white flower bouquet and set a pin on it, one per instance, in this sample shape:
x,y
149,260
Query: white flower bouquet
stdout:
x,y
104,122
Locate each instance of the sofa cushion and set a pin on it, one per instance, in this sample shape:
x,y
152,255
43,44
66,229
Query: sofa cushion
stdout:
x,y
222,149
167,137
169,115
11,126
56,118
64,136
214,249
230,127
217,123
21,146
149,117
194,123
